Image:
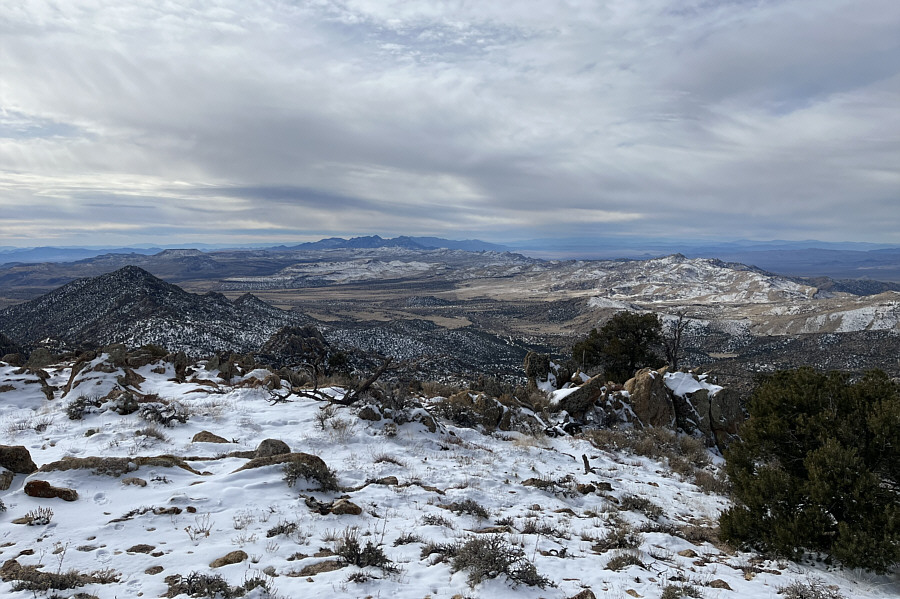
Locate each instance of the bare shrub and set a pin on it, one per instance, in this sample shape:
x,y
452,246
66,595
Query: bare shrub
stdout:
x,y
83,405
489,556
324,476
350,550
468,506
623,560
813,588
622,536
679,591
168,414
636,503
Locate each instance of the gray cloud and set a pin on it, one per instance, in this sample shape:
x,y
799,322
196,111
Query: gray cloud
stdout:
x,y
135,121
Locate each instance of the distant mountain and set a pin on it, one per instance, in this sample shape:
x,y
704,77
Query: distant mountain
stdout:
x,y
406,242
57,254
132,306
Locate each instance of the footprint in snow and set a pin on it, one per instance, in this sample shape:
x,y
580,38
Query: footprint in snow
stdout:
x,y
101,499
103,556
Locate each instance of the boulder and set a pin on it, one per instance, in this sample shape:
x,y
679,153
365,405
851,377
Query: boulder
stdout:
x,y
208,437
345,506
650,399
17,459
583,399
43,489
537,367
13,359
235,557
270,447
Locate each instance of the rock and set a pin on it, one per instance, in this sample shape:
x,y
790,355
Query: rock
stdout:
x,y
315,463
17,459
345,506
13,359
235,557
118,353
582,399
6,478
140,548
134,480
212,363
153,570
326,566
650,400
718,583
293,343
468,409
604,486
270,447
585,489
43,489
130,379
180,362
370,413
689,553
387,480
208,437
585,594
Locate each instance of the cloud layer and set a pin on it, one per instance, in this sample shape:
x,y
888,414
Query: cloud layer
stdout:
x,y
248,121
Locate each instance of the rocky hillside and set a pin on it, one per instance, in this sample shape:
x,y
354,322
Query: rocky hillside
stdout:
x,y
155,477
132,306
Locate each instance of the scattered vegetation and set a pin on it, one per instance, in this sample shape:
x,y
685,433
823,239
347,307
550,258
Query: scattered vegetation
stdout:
x,y
489,556
83,405
323,475
351,551
636,503
813,588
622,560
39,517
197,584
468,506
680,591
165,413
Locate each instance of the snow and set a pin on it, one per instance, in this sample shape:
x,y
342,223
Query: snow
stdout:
x,y
684,383
240,507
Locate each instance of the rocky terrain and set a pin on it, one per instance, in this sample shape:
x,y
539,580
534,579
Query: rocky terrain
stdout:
x,y
127,473
481,311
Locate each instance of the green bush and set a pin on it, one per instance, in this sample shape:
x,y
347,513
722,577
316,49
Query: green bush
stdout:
x,y
626,343
817,469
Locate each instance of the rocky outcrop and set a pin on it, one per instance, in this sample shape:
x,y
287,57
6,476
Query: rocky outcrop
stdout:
x,y
650,399
43,489
16,458
208,437
270,447
584,398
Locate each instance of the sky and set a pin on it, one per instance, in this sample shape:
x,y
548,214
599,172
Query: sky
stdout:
x,y
247,121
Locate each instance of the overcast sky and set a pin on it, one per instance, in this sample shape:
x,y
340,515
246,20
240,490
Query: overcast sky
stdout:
x,y
250,121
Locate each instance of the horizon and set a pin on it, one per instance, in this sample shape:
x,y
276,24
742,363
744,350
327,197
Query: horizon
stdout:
x,y
235,124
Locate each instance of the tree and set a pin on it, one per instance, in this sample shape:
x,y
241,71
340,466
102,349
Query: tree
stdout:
x,y
624,344
673,331
817,469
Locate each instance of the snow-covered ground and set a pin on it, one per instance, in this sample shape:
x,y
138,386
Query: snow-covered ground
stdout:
x,y
136,530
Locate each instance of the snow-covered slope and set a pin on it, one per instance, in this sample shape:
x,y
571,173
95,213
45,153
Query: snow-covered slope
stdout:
x,y
415,489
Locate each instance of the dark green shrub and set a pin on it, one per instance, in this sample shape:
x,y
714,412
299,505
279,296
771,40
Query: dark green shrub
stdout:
x,y
627,342
817,469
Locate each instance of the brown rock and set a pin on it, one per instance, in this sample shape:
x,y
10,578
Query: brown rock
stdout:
x,y
208,437
649,398
585,489
582,399
387,480
153,570
718,583
140,548
585,594
370,413
687,553
271,447
134,480
235,557
43,489
314,462
326,566
345,506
